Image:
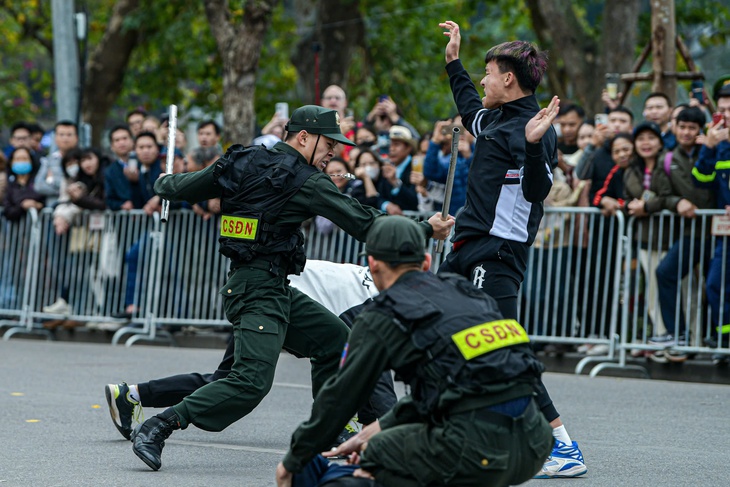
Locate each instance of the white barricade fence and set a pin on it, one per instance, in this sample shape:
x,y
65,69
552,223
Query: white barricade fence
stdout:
x,y
192,270
675,294
18,261
571,289
586,281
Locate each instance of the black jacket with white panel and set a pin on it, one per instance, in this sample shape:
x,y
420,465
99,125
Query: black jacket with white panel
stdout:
x,y
509,178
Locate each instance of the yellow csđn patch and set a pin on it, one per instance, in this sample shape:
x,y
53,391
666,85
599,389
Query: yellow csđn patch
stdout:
x,y
487,337
237,227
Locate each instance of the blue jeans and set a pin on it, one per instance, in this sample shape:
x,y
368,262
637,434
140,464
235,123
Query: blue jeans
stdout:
x,y
683,255
714,286
321,470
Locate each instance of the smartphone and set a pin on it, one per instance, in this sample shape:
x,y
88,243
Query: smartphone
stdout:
x,y
698,91
349,113
717,118
282,110
601,119
382,97
612,80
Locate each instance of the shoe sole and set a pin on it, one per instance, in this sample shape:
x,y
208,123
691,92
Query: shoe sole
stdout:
x,y
114,412
147,461
561,476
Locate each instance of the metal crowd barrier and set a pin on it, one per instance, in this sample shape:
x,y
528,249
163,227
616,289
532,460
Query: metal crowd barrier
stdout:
x,y
685,244
18,261
581,286
570,294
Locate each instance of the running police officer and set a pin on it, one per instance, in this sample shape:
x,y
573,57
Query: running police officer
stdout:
x,y
509,177
265,196
471,419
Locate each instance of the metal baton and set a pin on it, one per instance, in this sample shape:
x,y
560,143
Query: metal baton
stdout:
x,y
449,182
172,130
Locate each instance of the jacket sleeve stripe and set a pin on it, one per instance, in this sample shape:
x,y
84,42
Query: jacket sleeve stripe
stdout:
x,y
703,178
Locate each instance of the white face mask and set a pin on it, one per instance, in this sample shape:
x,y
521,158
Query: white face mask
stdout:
x,y
372,172
72,171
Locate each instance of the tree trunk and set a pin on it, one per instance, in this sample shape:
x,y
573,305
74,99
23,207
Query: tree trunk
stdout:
x,y
337,33
620,29
663,46
240,49
581,74
106,68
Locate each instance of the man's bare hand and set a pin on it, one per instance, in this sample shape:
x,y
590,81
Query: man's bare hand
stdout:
x,y
452,48
441,228
685,208
283,476
539,124
393,209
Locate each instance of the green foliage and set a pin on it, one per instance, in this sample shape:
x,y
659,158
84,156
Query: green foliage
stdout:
x,y
25,70
176,60
276,78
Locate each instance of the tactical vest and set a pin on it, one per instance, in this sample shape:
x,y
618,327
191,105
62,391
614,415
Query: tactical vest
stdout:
x,y
256,184
467,344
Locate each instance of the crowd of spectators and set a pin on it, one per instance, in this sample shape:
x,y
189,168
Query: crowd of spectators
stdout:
x,y
665,158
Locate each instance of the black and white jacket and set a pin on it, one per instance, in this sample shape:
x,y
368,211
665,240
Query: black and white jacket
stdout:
x,y
509,178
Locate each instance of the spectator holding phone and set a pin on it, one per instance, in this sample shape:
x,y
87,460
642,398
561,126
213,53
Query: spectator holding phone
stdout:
x,y
710,172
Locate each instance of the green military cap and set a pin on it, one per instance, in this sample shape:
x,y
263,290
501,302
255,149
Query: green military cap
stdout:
x,y
317,120
721,87
396,240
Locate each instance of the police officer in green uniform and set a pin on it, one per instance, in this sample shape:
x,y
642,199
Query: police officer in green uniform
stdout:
x,y
265,196
471,419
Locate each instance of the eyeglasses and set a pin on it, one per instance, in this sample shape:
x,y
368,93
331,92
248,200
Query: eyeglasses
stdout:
x,y
332,97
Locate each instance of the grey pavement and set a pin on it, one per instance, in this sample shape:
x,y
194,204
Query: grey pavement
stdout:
x,y
55,429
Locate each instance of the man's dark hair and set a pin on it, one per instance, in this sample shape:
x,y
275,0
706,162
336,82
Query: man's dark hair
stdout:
x,y
119,127
622,109
145,134
205,123
692,115
18,126
136,111
658,94
35,128
521,58
66,123
571,107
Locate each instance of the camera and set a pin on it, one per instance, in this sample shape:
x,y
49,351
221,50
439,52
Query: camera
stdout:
x,y
448,130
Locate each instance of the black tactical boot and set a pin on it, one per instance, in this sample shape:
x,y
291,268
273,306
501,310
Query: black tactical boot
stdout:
x,y
148,438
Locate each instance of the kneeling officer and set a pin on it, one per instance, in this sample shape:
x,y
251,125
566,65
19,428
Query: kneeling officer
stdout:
x,y
471,419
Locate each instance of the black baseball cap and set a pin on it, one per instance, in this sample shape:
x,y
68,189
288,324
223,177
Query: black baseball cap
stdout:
x,y
396,240
648,126
317,120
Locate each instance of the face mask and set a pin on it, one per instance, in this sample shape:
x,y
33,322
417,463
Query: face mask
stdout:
x,y
72,171
372,172
22,167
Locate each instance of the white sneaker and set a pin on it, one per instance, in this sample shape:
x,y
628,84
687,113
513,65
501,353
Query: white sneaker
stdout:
x,y
564,462
598,349
60,307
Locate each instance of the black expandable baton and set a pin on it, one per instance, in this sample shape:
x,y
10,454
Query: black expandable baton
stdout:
x,y
449,182
170,160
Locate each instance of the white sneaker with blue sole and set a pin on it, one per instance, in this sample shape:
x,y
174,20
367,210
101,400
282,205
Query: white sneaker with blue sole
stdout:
x,y
565,461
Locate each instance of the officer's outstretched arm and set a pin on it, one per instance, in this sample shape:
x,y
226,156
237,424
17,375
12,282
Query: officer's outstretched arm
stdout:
x,y
192,187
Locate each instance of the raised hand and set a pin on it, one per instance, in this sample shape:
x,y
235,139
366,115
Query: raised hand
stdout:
x,y
452,48
539,124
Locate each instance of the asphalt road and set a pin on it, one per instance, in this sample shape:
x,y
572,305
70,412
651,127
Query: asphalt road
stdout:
x,y
55,429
